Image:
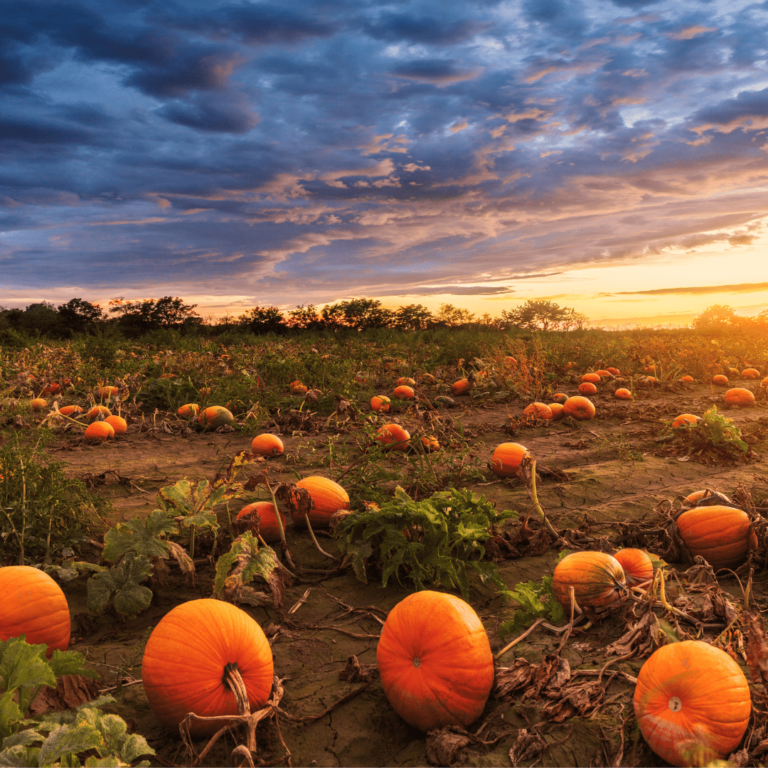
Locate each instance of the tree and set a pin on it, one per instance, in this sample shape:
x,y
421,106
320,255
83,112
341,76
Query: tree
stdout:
x,y
305,318
152,314
42,318
413,317
541,315
715,318
263,320
365,313
453,316
79,315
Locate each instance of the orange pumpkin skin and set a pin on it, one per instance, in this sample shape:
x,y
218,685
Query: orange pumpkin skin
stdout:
x,y
587,388
328,498
118,424
32,604
614,371
267,445
597,579
591,378
404,392
739,396
687,379
622,394
38,404
98,432
98,412
636,564
750,373
70,410
407,381
560,397
188,411
507,458
380,403
684,419
184,660
297,388
692,499
723,536
393,437
720,380
435,661
265,514
692,703
461,387
214,417
430,443
580,408
557,411
538,410
764,382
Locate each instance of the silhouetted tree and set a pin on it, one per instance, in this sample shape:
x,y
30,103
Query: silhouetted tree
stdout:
x,y
80,316
305,318
413,317
453,316
135,317
263,320
543,315
716,318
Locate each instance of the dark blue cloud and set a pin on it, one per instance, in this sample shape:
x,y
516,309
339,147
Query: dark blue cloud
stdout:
x,y
399,27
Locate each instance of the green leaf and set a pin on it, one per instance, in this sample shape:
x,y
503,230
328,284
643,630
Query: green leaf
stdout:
x,y
537,600
69,739
139,537
122,585
24,666
18,757
22,738
69,663
245,561
9,714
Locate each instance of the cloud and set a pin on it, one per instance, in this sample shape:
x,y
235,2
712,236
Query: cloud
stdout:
x,y
424,29
696,290
438,72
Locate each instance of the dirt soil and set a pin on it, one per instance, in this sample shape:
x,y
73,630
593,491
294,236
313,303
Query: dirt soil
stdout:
x,y
610,469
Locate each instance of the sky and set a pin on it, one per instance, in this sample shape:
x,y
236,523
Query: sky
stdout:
x,y
607,155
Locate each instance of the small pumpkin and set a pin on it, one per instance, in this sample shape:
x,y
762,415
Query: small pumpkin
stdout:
x,y
591,378
380,403
98,432
557,411
559,397
393,437
38,404
739,396
435,661
108,393
326,498
720,380
404,392
587,388
636,564
267,445
429,443
692,703
32,604
597,579
407,381
98,413
613,371
622,394
262,517
188,411
685,419
215,416
538,410
461,387
687,379
118,424
183,669
750,373
722,535
507,458
70,410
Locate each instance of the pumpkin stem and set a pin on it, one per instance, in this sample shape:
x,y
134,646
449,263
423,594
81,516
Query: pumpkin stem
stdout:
x,y
234,681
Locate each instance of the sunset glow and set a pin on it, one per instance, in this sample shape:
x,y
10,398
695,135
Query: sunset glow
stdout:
x,y
609,155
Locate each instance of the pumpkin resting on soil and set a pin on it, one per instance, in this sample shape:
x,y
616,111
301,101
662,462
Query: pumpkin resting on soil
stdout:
x,y
267,445
507,458
597,579
214,417
184,661
327,498
636,564
435,661
262,516
692,703
32,604
739,396
580,408
723,536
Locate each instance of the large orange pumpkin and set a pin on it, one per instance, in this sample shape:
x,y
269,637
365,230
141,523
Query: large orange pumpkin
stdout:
x,y
185,657
580,408
722,535
720,380
461,387
404,392
98,432
591,378
327,497
537,410
435,661
214,417
597,579
263,517
739,396
750,373
692,703
507,458
267,445
587,388
393,437
32,604
380,403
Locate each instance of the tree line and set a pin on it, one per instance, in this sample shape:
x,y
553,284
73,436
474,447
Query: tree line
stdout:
x,y
135,318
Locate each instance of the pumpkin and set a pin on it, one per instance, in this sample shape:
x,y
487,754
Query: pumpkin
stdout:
x,y
557,411
69,410
591,378
393,437
687,379
739,396
267,445
603,374
32,604
636,564
694,499
622,394
597,580
559,397
720,380
118,424
538,411
404,392
214,417
407,381
262,517
53,388
297,388
429,443
507,458
188,411
98,413
684,419
38,404
580,408
184,662
587,388
98,432
427,378
614,371
750,373
722,535
380,403
461,387
108,393
326,498
692,703
435,661
764,382
511,361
